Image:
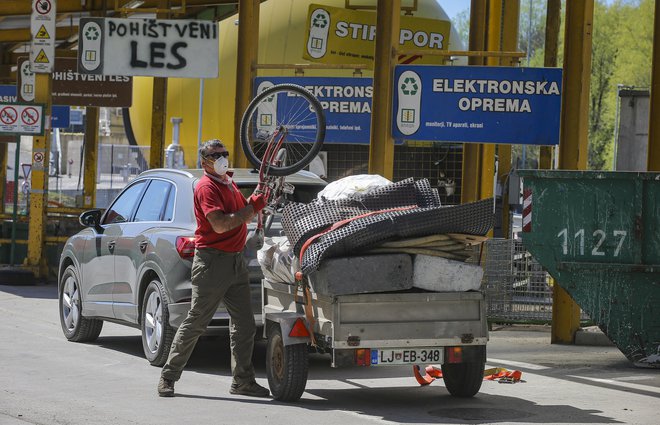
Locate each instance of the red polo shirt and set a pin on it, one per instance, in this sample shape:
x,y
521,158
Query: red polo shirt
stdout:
x,y
210,196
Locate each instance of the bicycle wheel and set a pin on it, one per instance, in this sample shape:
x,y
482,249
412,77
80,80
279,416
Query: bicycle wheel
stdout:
x,y
289,117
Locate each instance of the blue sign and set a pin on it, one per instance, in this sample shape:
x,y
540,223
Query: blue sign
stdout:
x,y
477,104
346,102
76,116
59,114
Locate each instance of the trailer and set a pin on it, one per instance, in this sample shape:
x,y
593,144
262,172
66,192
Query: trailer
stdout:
x,y
383,329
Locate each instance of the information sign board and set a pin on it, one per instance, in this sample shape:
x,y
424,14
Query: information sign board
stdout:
x,y
148,47
346,102
477,104
344,36
59,114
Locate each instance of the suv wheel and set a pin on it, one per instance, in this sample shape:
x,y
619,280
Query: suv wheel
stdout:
x,y
157,334
75,327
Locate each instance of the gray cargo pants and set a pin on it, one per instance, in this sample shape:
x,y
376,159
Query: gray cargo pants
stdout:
x,y
217,276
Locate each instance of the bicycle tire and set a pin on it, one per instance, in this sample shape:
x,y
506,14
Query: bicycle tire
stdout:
x,y
305,130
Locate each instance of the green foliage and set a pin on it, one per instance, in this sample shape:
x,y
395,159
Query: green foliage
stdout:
x,y
622,46
621,55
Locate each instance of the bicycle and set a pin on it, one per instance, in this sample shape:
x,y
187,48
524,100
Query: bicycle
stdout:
x,y
282,131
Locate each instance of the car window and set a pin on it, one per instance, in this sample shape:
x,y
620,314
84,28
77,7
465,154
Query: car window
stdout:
x,y
169,208
154,201
124,205
303,193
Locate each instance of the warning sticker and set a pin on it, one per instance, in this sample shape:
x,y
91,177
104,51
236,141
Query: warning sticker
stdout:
x,y
41,57
8,115
42,33
30,123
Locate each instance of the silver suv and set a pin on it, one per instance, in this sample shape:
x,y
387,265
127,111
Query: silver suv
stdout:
x,y
132,263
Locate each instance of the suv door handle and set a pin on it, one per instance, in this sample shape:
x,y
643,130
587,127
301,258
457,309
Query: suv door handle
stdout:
x,y
111,245
143,246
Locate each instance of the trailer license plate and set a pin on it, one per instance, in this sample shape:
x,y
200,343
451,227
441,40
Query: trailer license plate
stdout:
x,y
396,356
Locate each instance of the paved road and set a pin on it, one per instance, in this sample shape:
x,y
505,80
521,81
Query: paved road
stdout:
x,y
46,380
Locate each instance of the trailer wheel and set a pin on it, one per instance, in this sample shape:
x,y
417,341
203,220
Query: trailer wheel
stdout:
x,y
463,379
286,366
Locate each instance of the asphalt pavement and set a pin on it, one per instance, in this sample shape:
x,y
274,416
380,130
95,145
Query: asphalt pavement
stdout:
x,y
46,380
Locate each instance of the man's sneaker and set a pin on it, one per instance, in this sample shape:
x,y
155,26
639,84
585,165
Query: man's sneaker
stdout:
x,y
165,387
250,388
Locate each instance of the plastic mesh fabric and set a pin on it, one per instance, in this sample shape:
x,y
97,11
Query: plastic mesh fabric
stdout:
x,y
302,221
365,233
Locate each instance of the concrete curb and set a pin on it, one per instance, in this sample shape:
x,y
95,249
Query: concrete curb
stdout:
x,y
592,336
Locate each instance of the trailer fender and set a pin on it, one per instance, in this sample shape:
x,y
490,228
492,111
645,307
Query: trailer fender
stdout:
x,y
286,322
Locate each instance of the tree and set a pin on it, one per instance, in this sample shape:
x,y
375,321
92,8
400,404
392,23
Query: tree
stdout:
x,y
603,59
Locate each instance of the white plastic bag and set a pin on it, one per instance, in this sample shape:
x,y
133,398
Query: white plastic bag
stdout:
x,y
276,258
352,185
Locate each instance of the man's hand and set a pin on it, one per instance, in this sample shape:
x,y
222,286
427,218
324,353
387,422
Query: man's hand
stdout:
x,y
258,202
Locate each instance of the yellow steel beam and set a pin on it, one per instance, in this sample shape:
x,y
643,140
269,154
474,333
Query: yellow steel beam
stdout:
x,y
493,43
510,12
575,99
246,59
90,155
23,7
36,260
3,173
552,21
573,136
381,147
653,159
22,35
472,152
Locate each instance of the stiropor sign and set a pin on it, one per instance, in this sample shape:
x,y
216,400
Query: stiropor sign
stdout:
x,y
148,47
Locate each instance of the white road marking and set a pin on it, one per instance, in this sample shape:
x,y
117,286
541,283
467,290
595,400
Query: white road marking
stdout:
x,y
523,365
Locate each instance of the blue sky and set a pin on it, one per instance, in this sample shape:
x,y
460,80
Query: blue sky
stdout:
x,y
453,7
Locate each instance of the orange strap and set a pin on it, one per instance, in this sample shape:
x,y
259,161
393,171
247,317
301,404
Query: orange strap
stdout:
x,y
309,314
499,374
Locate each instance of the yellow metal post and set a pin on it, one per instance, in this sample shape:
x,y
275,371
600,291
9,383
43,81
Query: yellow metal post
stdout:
x,y
3,174
36,260
653,159
552,21
158,118
573,136
510,12
158,111
246,60
90,155
472,152
381,148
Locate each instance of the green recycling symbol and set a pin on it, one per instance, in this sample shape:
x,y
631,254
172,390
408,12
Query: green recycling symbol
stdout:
x,y
26,70
91,33
320,21
409,86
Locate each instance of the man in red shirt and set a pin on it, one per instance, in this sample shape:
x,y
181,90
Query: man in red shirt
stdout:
x,y
218,274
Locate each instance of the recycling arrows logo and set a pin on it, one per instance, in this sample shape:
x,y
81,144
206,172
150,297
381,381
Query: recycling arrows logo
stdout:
x,y
320,21
27,71
409,86
91,33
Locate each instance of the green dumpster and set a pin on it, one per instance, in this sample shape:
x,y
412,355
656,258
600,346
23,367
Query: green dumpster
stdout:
x,y
598,235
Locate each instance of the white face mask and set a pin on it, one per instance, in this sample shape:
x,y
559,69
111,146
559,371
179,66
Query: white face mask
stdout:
x,y
221,165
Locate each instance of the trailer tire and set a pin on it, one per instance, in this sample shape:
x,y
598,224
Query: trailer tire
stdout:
x,y
286,366
463,379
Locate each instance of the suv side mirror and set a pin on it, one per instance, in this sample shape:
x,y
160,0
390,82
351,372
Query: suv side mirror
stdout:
x,y
91,218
